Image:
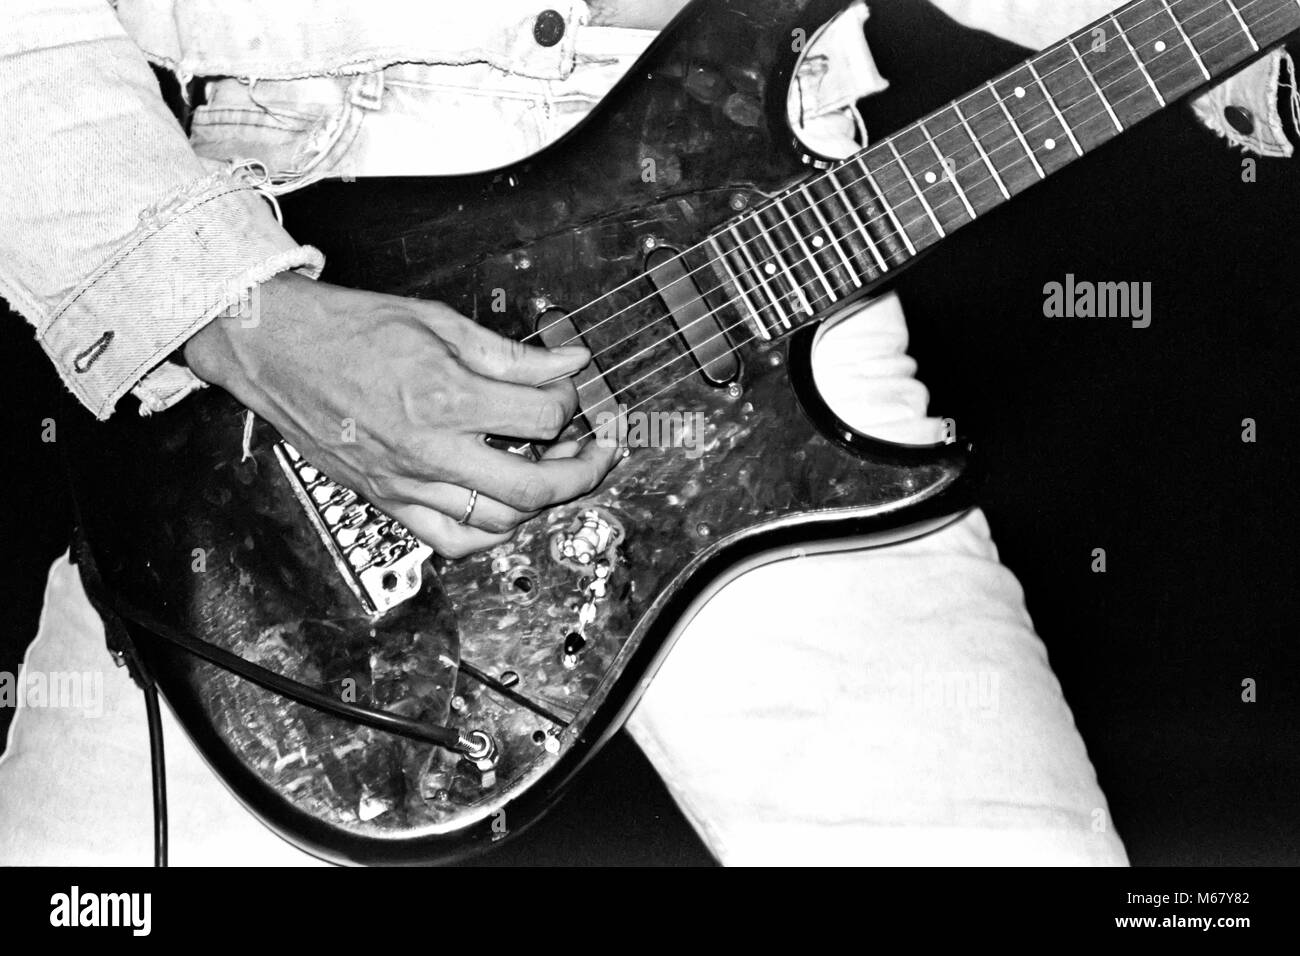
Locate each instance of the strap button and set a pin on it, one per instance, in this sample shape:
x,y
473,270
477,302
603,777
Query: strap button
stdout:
x,y
548,28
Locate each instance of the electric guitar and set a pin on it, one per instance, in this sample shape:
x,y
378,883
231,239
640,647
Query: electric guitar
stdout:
x,y
374,703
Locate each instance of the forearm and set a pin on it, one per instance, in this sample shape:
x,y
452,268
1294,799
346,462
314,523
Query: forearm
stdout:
x,y
119,244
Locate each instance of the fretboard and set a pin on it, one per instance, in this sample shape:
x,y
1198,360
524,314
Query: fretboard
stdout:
x,y
846,228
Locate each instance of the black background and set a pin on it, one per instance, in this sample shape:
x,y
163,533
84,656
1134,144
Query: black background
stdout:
x,y
1095,435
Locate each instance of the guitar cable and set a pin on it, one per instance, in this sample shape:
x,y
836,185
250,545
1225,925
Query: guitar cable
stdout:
x,y
157,761
472,744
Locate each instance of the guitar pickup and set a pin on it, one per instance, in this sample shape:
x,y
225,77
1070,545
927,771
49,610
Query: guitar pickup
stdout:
x,y
378,557
696,323
555,328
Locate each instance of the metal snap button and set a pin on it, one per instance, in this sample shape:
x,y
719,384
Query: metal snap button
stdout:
x,y
548,28
1239,119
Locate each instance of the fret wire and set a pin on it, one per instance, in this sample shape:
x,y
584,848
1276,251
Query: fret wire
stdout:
x,y
1244,28
956,105
1093,80
952,175
830,235
808,254
784,267
758,274
1060,118
1186,39
1271,13
912,182
679,358
857,220
1084,66
1016,129
976,141
889,210
1141,66
735,280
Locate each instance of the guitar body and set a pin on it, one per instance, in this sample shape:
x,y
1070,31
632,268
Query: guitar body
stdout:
x,y
194,522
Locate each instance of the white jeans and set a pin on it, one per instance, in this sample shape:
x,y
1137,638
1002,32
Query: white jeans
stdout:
x,y
891,706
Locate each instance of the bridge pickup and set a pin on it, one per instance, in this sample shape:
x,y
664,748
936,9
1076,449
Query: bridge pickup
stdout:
x,y
695,321
555,328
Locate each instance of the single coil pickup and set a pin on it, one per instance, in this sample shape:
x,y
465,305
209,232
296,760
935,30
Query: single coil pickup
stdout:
x,y
695,321
555,328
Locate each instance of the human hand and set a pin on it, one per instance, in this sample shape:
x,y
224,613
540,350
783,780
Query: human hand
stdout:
x,y
421,386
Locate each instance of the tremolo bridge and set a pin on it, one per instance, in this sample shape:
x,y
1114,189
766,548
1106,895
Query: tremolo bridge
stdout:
x,y
377,556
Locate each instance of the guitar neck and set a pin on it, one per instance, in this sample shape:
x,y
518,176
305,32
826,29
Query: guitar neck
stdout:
x,y
794,257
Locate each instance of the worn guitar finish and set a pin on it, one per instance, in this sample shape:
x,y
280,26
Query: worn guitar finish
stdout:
x,y
542,650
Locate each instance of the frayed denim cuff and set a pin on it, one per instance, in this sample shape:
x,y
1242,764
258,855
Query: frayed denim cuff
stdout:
x,y
194,256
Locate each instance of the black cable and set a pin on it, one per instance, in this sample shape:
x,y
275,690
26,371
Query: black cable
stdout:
x,y
487,680
474,743
157,763
450,737
454,739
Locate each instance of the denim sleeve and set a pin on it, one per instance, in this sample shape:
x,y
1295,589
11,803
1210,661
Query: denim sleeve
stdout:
x,y
119,242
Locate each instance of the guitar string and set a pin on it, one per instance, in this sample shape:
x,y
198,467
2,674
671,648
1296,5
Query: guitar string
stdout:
x,y
999,104
623,412
753,336
800,259
762,258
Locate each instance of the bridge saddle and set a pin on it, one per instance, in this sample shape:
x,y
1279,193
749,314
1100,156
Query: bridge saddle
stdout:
x,y
378,557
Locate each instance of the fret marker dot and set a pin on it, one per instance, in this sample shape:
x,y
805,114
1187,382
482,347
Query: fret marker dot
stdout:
x,y
1050,144
930,177
1020,92
770,269
818,242
1160,46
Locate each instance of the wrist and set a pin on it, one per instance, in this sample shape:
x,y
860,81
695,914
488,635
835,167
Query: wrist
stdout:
x,y
207,352
221,352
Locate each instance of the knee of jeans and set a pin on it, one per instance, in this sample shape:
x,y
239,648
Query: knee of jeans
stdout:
x,y
835,70
1246,109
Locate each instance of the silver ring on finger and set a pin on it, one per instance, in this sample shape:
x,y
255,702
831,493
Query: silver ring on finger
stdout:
x,y
469,508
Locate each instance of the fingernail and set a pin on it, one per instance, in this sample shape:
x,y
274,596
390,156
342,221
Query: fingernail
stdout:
x,y
569,351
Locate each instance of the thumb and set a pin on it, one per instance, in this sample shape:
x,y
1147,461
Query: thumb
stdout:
x,y
507,360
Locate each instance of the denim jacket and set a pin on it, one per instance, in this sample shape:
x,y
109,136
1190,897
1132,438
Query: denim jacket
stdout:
x,y
123,238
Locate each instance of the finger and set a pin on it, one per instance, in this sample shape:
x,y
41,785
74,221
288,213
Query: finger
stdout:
x,y
508,360
531,486
517,411
562,449
443,534
487,514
